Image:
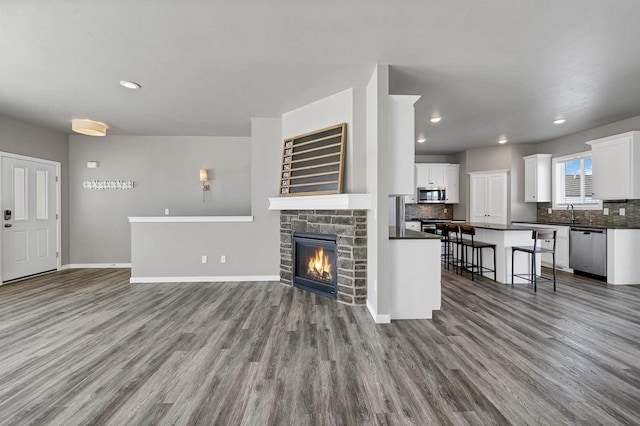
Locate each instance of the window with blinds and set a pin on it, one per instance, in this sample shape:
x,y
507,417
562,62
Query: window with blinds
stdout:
x,y
573,182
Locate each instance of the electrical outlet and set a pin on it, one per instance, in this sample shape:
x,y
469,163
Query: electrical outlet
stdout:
x,y
605,211
623,211
204,259
446,210
549,211
223,259
166,212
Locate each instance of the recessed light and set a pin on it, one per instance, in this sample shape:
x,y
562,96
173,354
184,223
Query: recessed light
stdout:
x,y
559,120
130,84
422,140
436,119
502,140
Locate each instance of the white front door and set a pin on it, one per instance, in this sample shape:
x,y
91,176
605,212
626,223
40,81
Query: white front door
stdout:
x,y
29,231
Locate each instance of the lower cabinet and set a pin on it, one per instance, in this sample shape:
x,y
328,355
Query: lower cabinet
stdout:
x,y
413,225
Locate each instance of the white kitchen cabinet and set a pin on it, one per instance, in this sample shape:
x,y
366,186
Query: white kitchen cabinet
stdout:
x,y
411,198
401,144
488,197
562,245
452,183
616,166
431,175
414,225
537,178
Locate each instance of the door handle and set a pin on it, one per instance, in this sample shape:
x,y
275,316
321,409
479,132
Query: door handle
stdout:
x,y
8,225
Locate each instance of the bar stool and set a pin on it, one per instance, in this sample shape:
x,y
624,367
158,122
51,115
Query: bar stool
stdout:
x,y
442,229
455,244
476,251
533,277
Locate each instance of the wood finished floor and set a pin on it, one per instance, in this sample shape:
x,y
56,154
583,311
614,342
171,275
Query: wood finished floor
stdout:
x,y
87,347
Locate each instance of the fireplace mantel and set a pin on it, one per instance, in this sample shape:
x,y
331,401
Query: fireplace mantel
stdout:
x,y
322,202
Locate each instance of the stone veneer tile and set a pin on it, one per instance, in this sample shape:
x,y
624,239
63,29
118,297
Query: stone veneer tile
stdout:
x,y
351,228
595,217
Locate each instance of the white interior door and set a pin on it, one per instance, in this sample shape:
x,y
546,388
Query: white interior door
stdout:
x,y
29,232
497,203
478,208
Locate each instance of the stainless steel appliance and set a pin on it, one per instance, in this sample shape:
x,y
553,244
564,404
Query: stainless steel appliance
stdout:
x,y
588,250
432,195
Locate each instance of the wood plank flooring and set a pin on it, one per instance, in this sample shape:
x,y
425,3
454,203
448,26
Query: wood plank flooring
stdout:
x,y
87,347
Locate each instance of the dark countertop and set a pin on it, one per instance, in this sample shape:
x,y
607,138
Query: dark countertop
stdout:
x,y
583,225
408,234
499,227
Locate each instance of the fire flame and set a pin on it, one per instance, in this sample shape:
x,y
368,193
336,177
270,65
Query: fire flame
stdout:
x,y
319,264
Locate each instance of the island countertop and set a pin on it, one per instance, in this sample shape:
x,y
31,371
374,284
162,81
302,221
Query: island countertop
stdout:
x,y
408,234
499,227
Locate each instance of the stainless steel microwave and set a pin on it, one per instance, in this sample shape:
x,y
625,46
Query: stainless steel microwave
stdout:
x,y
432,195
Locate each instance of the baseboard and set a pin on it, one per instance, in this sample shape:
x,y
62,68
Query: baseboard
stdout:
x,y
95,265
378,319
232,278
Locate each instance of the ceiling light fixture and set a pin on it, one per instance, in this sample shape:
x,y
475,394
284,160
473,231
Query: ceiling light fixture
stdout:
x,y
559,120
436,119
88,127
421,140
130,84
502,140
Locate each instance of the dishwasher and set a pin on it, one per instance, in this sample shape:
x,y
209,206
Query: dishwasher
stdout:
x,y
588,250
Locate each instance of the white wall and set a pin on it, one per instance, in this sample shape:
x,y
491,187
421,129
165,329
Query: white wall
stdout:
x,y
377,186
165,170
509,157
343,107
251,249
575,143
520,211
19,137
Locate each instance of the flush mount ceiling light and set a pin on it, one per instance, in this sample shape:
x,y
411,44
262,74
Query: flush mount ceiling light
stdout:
x,y
559,120
436,119
88,127
130,84
421,140
502,140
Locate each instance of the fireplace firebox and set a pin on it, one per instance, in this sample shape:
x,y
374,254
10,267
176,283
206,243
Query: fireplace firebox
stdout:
x,y
315,263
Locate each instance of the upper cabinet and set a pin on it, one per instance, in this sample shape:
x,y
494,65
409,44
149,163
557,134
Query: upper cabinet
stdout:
x,y
402,152
616,166
453,183
439,175
537,178
431,175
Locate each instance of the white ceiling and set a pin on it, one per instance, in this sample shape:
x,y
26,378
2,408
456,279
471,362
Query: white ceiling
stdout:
x,y
490,68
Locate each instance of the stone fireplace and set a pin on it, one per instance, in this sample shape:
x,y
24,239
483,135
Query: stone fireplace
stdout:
x,y
349,229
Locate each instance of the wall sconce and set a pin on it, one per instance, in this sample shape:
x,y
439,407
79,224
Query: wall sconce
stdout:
x,y
204,178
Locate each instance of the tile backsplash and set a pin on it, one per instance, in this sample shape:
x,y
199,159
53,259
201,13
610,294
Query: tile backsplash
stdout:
x,y
595,217
425,211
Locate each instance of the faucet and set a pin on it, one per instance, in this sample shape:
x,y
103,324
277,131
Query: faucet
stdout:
x,y
573,215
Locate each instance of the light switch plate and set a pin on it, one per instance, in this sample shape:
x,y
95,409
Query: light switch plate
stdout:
x,y
605,211
166,212
623,211
549,210
204,259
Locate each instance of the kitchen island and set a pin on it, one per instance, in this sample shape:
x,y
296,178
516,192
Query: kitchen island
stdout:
x,y
505,237
414,274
